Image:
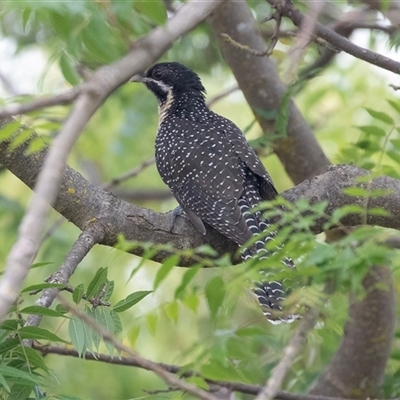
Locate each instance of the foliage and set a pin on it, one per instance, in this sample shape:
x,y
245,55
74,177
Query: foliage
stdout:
x,y
201,318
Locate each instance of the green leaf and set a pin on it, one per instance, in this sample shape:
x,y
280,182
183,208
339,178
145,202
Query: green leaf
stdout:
x,y
103,317
369,145
9,325
206,250
41,311
215,369
192,302
341,212
395,105
68,70
133,335
19,391
395,143
20,138
35,145
186,279
7,371
199,382
372,130
94,37
77,334
166,267
3,383
381,116
30,356
117,322
9,344
131,300
172,311
78,293
33,332
379,212
250,331
9,130
109,291
394,155
41,264
356,192
25,17
154,10
151,323
215,293
42,286
97,283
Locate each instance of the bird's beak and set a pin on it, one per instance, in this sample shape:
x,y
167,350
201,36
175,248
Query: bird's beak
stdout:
x,y
137,78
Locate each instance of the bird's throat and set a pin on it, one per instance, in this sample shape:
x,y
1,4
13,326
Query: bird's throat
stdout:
x,y
164,107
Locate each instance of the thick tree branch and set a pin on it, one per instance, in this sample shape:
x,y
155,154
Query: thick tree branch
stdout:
x,y
91,96
85,205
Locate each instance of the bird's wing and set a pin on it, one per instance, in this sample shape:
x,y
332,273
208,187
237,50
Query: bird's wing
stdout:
x,y
249,157
208,181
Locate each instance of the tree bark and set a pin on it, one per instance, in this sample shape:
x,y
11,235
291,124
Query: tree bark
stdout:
x,y
357,370
263,89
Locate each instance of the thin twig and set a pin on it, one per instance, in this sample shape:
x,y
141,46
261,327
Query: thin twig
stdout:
x,y
163,373
222,95
274,383
60,99
394,87
243,47
304,37
175,369
275,34
130,174
85,242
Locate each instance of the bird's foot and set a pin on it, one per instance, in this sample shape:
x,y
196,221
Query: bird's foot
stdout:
x,y
175,213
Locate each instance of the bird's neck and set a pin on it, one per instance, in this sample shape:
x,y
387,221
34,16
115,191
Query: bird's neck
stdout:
x,y
183,105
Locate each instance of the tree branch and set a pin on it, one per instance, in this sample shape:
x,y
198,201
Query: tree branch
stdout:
x,y
271,389
128,175
92,94
59,99
83,203
85,242
158,369
287,9
175,369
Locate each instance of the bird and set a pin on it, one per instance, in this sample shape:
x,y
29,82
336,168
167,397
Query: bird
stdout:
x,y
211,170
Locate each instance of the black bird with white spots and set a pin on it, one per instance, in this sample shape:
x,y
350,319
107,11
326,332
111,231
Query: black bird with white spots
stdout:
x,y
212,171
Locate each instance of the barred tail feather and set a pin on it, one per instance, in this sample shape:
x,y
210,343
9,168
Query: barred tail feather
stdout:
x,y
270,294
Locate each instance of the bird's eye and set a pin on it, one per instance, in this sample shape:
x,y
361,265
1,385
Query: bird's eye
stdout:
x,y
157,75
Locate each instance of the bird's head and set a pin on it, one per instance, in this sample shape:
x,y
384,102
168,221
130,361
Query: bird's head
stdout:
x,y
171,78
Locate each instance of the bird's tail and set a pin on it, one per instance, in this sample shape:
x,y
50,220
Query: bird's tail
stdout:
x,y
270,293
